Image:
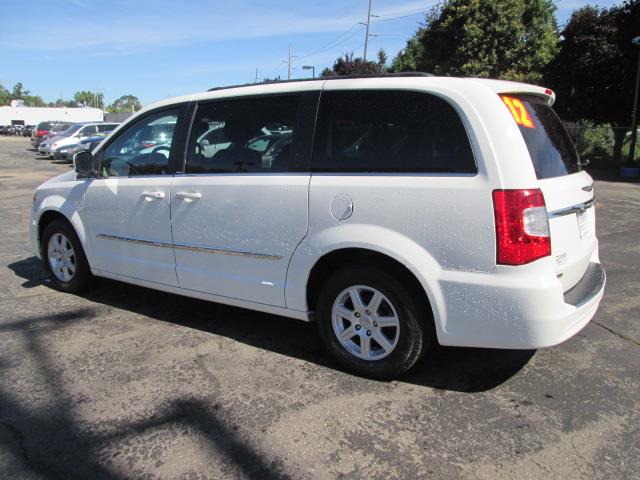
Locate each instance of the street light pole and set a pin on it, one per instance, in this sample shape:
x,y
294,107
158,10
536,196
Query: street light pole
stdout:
x,y
634,118
312,68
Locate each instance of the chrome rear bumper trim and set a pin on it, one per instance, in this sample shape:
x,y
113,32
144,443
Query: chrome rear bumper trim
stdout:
x,y
581,207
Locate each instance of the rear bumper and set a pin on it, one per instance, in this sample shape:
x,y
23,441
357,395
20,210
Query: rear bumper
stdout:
x,y
516,311
591,283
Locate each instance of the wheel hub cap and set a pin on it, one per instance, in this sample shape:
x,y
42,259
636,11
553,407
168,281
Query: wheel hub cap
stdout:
x,y
62,258
365,322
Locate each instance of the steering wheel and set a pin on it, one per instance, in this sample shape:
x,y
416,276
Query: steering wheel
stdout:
x,y
161,147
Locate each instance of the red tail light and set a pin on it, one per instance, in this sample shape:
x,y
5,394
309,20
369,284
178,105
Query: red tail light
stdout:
x,y
41,133
522,227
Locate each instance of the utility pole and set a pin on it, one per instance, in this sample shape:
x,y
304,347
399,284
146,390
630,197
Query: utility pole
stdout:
x,y
288,62
634,119
367,34
256,80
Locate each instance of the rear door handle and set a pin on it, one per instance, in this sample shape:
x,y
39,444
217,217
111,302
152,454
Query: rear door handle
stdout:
x,y
189,196
152,195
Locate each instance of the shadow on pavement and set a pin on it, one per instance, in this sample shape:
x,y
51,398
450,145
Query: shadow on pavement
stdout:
x,y
54,443
444,368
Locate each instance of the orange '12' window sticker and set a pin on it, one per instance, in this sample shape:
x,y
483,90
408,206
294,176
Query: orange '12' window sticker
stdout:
x,y
518,111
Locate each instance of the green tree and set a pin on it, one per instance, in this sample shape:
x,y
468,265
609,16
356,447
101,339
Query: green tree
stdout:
x,y
126,103
34,101
5,96
508,39
594,72
410,57
348,65
18,91
89,99
383,58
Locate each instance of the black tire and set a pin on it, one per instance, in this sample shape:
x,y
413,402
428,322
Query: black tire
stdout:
x,y
415,334
82,274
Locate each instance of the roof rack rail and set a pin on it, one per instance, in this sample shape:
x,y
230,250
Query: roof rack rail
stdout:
x,y
335,77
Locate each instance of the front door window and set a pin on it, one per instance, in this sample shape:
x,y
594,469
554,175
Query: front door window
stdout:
x,y
143,149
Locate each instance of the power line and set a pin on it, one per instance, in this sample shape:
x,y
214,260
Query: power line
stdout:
x,y
348,34
397,17
405,12
333,43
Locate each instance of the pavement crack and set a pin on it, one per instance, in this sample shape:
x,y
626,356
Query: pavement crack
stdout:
x,y
624,337
18,437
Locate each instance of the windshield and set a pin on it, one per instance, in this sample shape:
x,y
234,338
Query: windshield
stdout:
x,y
550,147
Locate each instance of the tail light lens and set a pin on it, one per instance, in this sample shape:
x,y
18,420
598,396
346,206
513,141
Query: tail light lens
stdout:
x,y
41,133
522,227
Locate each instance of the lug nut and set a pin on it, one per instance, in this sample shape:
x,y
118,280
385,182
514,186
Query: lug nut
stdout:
x,y
375,324
368,333
358,327
357,314
368,312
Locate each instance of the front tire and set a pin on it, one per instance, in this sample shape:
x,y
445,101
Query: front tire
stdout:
x,y
63,257
371,324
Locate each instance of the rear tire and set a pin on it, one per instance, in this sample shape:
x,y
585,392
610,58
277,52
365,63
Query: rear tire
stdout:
x,y
381,335
63,258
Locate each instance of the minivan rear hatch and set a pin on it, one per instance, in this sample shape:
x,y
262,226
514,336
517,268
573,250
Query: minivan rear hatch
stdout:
x,y
567,190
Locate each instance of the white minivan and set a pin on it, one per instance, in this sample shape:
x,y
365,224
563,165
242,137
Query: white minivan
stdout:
x,y
398,211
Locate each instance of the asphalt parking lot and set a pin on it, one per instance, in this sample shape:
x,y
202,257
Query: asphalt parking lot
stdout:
x,y
124,382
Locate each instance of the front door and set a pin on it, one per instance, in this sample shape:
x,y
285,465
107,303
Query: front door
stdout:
x,y
128,206
239,210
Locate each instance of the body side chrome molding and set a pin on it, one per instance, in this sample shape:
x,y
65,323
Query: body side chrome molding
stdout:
x,y
581,207
192,248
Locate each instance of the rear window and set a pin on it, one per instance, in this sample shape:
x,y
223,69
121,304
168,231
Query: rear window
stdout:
x,y
550,147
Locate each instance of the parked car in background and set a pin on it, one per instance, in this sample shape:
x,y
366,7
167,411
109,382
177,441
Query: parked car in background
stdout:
x,y
68,151
73,135
65,152
92,142
45,129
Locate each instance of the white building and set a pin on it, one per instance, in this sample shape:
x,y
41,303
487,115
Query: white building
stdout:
x,y
18,115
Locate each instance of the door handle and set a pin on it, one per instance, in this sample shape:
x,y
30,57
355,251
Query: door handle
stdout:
x,y
152,195
189,196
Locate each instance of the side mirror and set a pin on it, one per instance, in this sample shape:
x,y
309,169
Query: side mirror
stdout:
x,y
84,164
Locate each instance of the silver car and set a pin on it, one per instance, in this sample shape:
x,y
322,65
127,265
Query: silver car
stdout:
x,y
73,135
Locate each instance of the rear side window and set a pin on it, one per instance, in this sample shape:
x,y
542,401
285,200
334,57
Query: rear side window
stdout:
x,y
550,147
106,127
390,131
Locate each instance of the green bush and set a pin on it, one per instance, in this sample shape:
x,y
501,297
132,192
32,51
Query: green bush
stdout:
x,y
626,145
593,141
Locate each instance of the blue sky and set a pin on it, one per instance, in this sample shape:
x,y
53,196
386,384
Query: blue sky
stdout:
x,y
156,49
